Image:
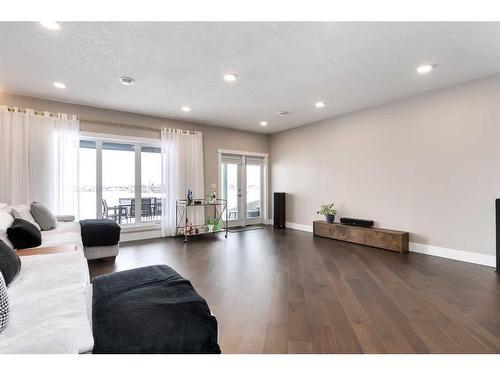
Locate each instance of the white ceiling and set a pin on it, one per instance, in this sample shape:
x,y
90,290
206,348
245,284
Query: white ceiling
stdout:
x,y
280,66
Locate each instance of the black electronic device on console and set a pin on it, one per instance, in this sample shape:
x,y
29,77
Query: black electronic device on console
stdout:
x,y
356,222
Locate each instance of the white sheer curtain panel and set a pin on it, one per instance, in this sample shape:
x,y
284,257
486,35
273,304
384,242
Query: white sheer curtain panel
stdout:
x,y
67,149
182,170
14,141
39,159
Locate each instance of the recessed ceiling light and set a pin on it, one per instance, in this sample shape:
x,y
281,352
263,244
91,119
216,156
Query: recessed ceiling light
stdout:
x,y
52,25
186,109
422,69
230,77
320,104
59,85
127,81
283,113
263,123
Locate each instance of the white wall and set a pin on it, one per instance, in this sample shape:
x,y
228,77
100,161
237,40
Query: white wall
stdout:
x,y
428,165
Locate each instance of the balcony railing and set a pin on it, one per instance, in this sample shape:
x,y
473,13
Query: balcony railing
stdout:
x,y
125,210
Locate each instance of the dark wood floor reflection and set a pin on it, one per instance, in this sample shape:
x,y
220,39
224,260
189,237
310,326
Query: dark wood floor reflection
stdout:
x,y
289,292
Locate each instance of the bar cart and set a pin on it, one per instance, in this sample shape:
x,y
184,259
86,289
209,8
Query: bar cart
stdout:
x,y
218,210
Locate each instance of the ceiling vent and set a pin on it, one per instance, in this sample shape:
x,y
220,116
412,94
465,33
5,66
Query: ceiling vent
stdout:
x,y
127,81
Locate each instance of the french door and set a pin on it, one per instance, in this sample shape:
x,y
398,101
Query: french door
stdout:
x,y
242,183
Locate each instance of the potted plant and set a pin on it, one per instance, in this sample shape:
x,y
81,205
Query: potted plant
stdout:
x,y
328,211
216,225
210,225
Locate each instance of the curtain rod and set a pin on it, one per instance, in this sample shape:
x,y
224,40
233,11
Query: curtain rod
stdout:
x,y
119,125
38,113
138,127
89,121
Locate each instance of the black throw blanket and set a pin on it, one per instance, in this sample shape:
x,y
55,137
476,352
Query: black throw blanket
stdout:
x,y
99,232
150,310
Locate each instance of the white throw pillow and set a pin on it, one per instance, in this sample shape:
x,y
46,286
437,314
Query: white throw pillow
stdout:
x,y
3,205
23,212
6,219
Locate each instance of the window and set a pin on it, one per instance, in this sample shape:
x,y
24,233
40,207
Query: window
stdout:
x,y
118,181
87,187
229,188
114,175
254,194
150,183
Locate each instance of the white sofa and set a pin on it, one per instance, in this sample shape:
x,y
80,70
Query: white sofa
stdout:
x,y
51,297
66,231
51,306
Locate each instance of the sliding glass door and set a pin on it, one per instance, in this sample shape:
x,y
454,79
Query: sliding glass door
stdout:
x,y
120,180
151,189
87,179
242,184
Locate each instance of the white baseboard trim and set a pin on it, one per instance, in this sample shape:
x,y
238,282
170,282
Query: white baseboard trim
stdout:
x,y
288,224
302,227
443,252
140,235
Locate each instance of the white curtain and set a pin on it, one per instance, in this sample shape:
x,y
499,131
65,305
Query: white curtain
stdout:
x,y
39,159
14,140
66,163
182,170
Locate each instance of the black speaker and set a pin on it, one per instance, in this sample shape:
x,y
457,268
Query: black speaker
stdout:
x,y
356,222
279,210
497,226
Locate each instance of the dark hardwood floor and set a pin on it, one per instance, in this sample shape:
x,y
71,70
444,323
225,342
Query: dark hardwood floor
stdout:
x,y
289,292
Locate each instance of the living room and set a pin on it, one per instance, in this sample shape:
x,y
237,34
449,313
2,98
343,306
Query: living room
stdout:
x,y
304,187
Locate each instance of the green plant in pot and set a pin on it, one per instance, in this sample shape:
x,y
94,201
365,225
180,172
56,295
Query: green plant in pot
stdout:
x,y
216,225
328,211
210,225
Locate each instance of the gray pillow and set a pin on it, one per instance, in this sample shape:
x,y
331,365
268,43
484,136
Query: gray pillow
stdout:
x,y
10,263
43,216
4,305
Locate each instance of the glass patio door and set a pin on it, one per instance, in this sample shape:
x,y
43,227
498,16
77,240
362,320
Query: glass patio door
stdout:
x,y
231,188
253,192
242,185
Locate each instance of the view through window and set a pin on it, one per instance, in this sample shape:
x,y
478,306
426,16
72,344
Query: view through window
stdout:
x,y
87,179
253,191
118,181
229,188
241,179
150,183
120,164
